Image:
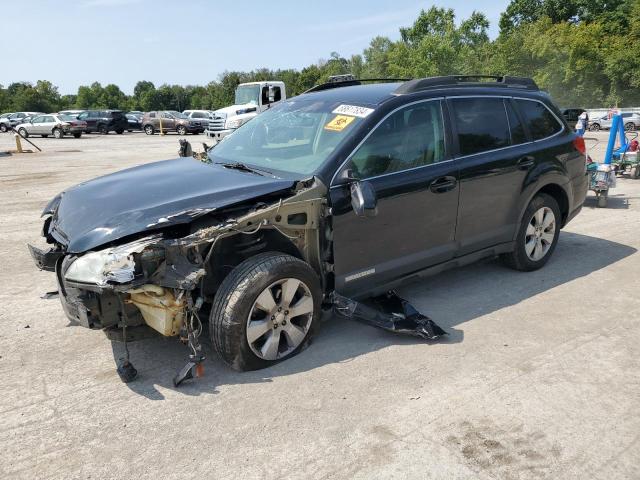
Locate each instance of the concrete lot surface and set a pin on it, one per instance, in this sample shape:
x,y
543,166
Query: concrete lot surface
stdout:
x,y
539,377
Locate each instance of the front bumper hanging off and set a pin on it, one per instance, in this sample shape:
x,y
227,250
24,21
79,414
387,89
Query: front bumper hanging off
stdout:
x,y
389,312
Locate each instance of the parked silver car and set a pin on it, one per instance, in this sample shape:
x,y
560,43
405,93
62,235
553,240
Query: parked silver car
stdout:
x,y
630,120
54,124
14,119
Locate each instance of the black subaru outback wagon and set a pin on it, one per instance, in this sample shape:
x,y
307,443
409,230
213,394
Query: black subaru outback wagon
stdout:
x,y
328,198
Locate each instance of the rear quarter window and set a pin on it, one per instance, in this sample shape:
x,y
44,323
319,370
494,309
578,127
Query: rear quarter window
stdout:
x,y
539,119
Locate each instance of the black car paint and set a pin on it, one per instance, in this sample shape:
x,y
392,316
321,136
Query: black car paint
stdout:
x,y
415,229
112,120
143,198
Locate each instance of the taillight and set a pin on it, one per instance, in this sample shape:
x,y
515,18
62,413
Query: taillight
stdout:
x,y
578,142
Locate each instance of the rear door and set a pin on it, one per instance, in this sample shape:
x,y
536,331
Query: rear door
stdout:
x,y
493,157
406,161
35,128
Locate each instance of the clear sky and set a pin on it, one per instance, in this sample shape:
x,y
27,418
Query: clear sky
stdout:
x,y
77,42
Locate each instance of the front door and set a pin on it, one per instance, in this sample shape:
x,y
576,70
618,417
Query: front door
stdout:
x,y
405,160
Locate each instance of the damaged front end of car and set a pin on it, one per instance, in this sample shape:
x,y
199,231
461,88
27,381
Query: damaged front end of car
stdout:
x,y
161,278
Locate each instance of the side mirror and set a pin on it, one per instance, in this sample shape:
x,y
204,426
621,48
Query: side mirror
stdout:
x,y
363,199
272,94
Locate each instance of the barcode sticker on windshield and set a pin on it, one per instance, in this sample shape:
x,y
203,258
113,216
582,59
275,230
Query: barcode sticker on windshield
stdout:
x,y
354,110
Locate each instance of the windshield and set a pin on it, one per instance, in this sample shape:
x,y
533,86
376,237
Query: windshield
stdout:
x,y
247,94
177,114
296,136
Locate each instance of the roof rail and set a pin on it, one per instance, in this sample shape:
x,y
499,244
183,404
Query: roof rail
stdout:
x,y
466,80
349,80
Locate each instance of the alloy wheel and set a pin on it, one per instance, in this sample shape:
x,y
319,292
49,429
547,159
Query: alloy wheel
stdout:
x,y
540,234
279,319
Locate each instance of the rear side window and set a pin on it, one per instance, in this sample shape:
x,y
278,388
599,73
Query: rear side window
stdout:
x,y
482,124
541,122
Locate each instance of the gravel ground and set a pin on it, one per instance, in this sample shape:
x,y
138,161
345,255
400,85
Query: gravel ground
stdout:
x,y
539,377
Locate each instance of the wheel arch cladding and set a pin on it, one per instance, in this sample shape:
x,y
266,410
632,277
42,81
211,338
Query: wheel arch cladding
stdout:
x,y
559,195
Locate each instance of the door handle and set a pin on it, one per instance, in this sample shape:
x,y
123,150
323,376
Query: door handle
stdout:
x,y
443,184
526,162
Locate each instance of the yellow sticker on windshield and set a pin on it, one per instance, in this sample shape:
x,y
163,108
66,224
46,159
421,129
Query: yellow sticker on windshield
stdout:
x,y
339,123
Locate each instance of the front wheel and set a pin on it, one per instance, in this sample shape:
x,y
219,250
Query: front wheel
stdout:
x,y
120,131
23,133
77,135
595,127
103,129
57,133
629,127
3,128
264,311
538,235
148,130
182,130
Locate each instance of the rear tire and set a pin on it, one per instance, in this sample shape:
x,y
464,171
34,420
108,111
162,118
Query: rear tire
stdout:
x,y
181,130
537,236
77,135
148,130
103,129
3,128
629,127
23,133
120,132
57,133
251,295
595,127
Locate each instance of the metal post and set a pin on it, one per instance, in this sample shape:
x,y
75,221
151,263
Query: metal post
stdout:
x,y
161,131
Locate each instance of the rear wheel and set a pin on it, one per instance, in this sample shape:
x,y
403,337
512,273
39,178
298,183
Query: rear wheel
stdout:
x,y
57,133
3,127
148,130
182,130
265,311
103,129
77,135
538,234
45,136
595,127
629,127
23,133
120,131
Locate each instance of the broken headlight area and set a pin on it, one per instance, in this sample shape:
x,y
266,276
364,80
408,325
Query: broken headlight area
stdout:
x,y
115,265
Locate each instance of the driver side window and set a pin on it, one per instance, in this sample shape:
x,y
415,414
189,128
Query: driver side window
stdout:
x,y
409,138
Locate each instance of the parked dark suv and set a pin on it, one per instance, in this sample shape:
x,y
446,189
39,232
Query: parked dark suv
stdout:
x,y
324,200
105,121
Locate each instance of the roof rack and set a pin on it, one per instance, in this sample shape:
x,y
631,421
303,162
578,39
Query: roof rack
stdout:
x,y
349,80
466,80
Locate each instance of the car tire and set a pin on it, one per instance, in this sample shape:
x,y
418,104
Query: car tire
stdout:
x,y
129,131
57,133
120,131
247,330
23,133
181,130
77,135
595,127
44,136
103,129
3,128
148,129
537,236
629,127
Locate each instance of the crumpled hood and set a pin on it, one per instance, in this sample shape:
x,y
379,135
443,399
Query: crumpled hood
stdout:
x,y
149,197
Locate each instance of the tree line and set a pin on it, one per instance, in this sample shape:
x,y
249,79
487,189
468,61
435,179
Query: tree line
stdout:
x,y
583,52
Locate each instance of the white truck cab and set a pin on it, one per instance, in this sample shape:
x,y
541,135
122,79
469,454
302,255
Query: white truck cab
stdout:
x,y
251,99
